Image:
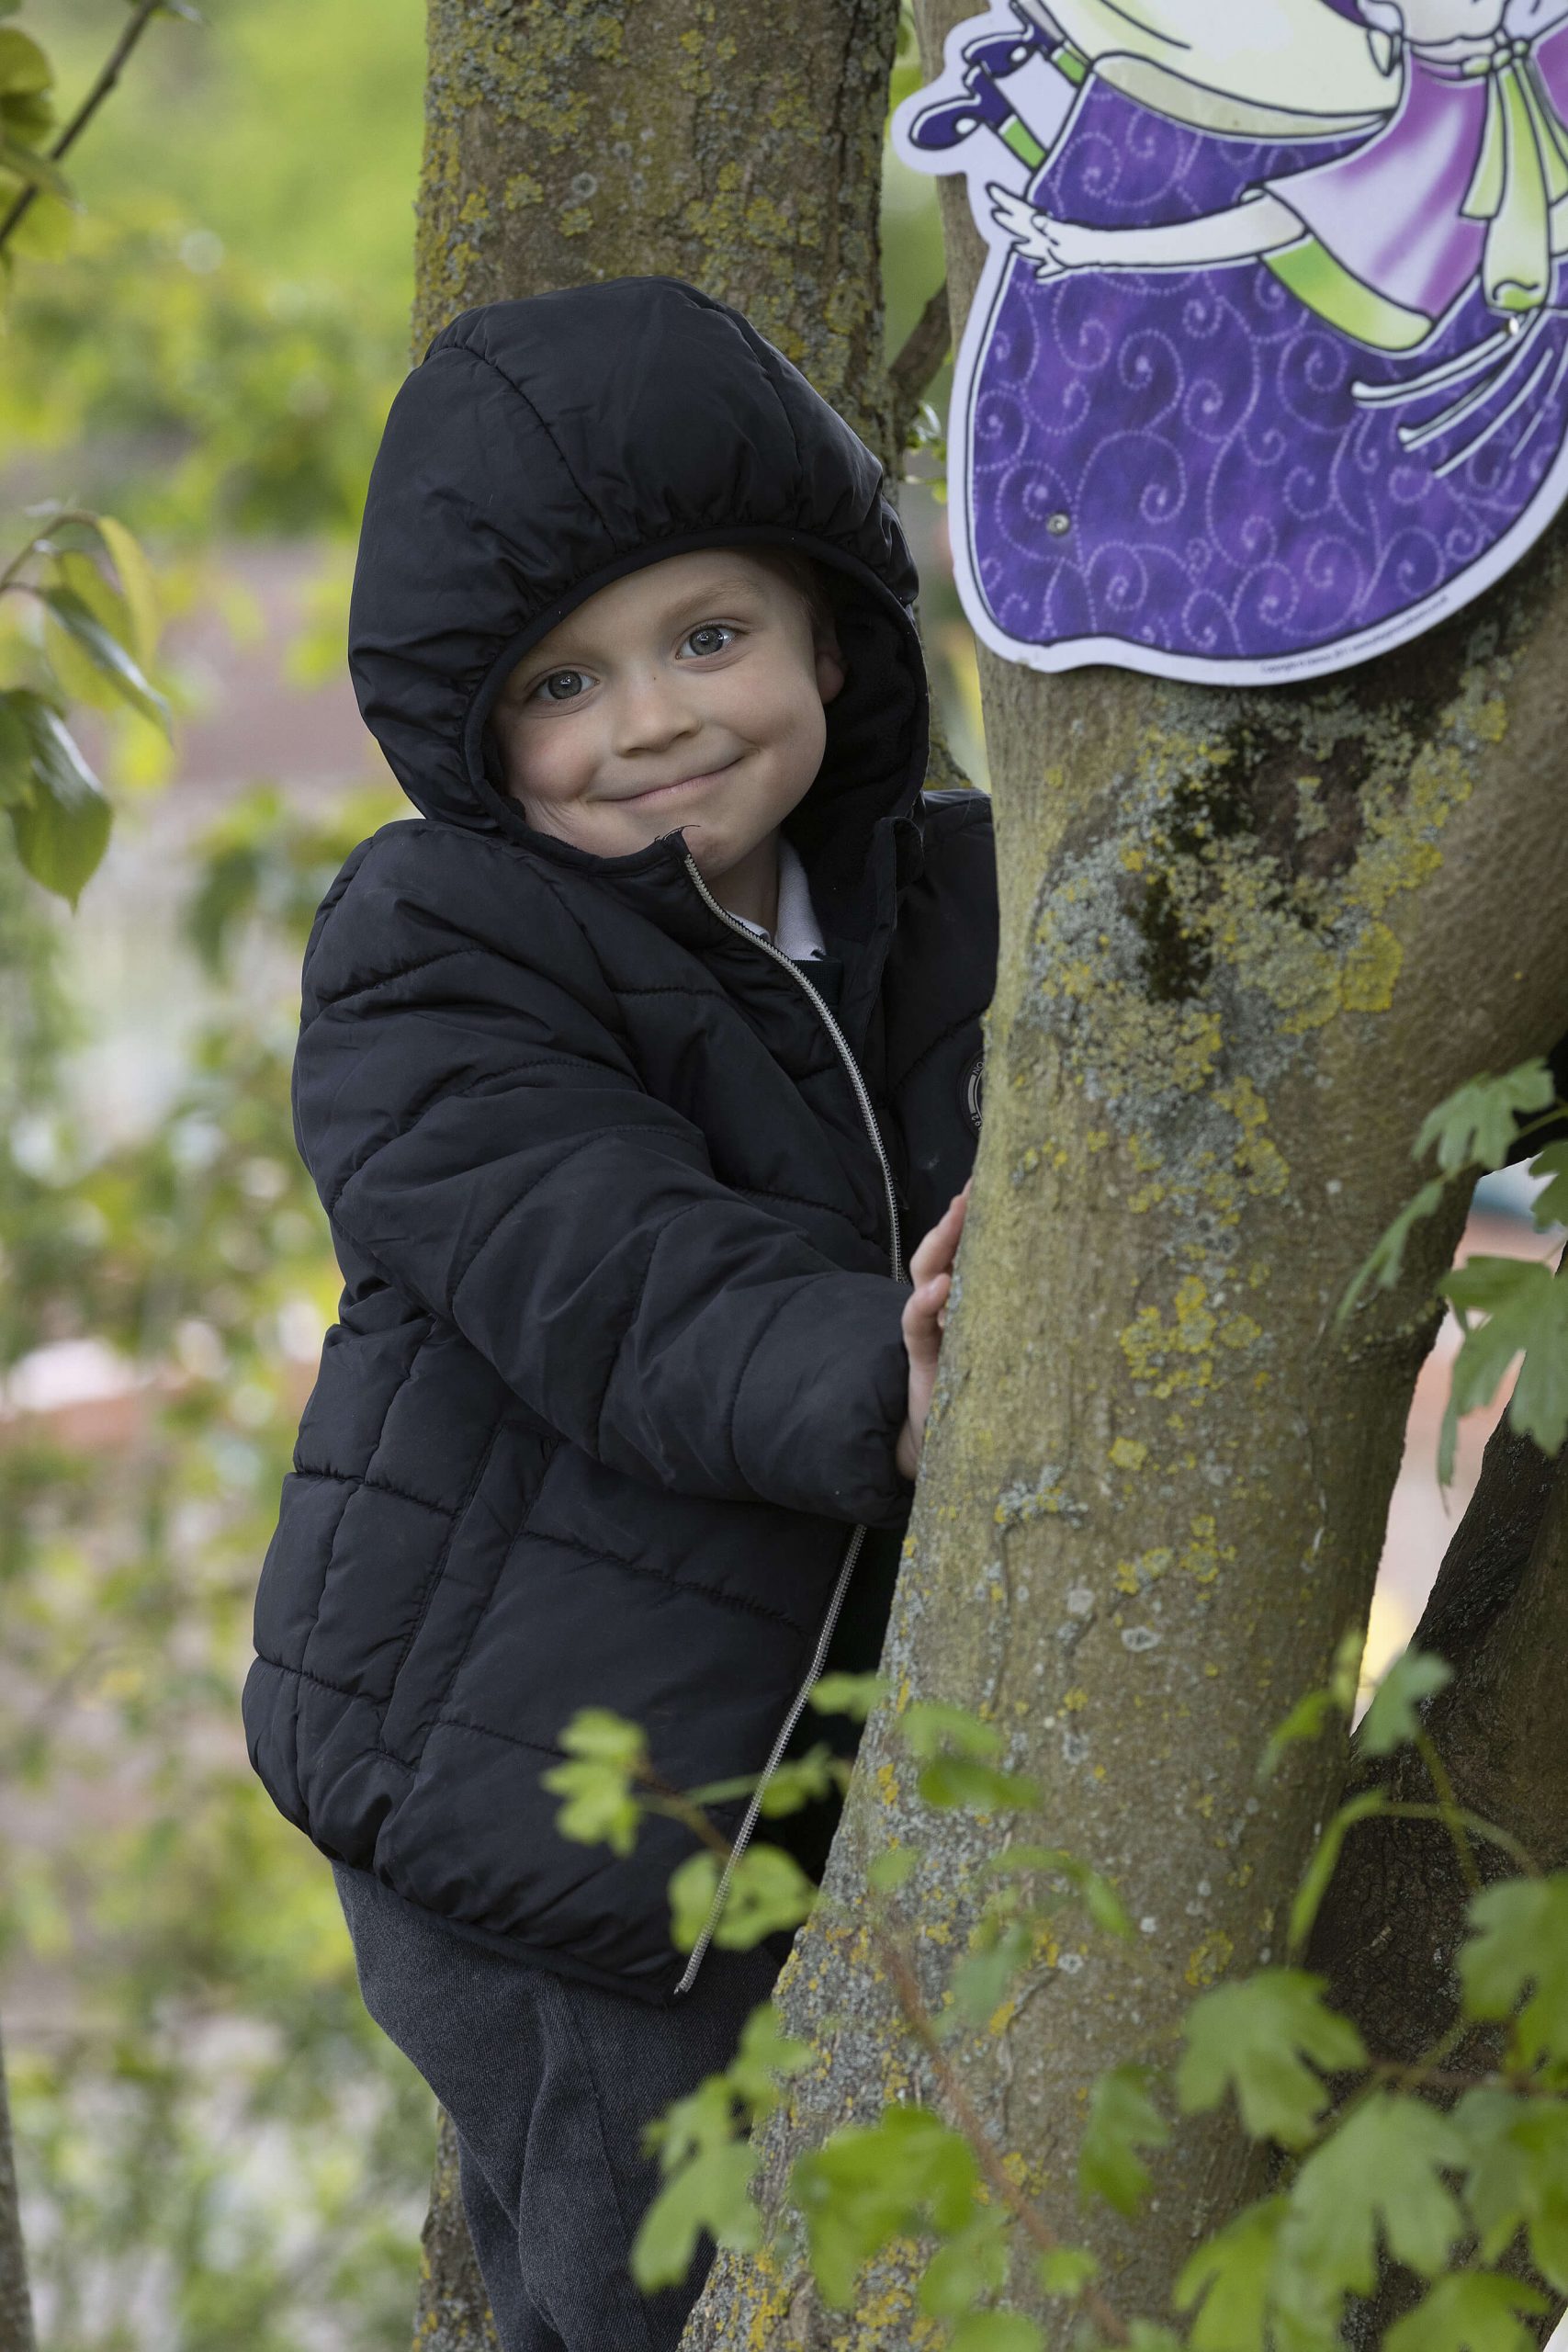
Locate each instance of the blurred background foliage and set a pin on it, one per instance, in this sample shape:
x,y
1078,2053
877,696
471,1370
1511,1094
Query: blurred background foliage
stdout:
x,y
217,2148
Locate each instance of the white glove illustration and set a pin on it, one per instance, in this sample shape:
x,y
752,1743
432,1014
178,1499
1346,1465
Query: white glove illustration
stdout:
x,y
1053,247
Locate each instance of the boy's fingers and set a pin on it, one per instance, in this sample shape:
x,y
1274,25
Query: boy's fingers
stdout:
x,y
921,1311
935,1250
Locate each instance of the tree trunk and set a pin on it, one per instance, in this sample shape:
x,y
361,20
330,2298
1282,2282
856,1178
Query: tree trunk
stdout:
x,y
15,2305
453,2312
740,150
1393,1916
1248,938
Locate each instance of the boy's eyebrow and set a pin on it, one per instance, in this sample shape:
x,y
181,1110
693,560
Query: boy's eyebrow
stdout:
x,y
707,592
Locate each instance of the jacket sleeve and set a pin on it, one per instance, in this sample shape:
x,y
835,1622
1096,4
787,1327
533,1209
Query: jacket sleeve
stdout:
x,y
477,1128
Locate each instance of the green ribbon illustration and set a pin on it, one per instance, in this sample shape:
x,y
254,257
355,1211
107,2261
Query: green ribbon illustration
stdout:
x,y
1521,171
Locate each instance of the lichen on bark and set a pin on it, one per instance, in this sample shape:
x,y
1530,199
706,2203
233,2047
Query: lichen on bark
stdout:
x,y
739,149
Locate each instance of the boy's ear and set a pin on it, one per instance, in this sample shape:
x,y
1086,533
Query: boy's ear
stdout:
x,y
831,671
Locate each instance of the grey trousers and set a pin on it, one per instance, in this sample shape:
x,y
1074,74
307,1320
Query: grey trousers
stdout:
x,y
548,2083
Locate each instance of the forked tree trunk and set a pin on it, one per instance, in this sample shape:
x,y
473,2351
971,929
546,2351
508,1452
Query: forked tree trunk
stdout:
x,y
1249,940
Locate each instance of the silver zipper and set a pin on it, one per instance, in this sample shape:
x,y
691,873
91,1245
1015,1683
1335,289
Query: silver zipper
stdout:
x,y
840,1040
851,1553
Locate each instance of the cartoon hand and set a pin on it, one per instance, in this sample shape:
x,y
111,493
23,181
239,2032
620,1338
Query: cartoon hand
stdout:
x,y
1053,247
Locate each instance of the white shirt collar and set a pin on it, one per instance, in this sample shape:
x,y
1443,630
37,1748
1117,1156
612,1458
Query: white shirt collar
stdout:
x,y
798,934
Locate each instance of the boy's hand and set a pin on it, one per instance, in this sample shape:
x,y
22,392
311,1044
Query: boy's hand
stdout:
x,y
925,1319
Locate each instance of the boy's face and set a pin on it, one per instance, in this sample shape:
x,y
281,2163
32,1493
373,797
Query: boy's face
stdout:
x,y
686,697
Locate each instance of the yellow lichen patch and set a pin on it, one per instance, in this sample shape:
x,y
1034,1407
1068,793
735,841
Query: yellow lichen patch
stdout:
x,y
1155,1349
1131,1575
887,1784
1372,967
1204,1556
1209,1960
1073,1700
1127,1454
1260,1166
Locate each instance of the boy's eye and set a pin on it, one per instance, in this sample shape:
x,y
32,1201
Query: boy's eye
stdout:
x,y
561,685
713,630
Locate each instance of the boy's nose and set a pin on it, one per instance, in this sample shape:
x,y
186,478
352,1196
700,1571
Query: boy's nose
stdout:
x,y
649,711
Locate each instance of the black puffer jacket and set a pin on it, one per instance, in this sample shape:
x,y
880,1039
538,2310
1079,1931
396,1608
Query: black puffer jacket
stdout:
x,y
618,1367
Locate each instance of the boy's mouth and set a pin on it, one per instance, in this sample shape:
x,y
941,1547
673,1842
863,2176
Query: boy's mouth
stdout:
x,y
678,784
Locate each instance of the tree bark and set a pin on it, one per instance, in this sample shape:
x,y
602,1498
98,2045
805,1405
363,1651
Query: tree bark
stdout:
x,y
1248,938
453,2313
15,2304
739,150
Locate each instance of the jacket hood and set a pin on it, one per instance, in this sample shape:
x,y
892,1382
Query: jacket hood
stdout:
x,y
545,448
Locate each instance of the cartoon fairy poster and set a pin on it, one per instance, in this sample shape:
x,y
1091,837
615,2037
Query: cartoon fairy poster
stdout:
x,y
1268,370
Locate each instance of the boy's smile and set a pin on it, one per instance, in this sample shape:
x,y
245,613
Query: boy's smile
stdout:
x,y
687,697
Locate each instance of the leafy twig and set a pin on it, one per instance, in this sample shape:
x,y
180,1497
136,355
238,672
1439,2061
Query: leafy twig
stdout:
x,y
141,18
912,2002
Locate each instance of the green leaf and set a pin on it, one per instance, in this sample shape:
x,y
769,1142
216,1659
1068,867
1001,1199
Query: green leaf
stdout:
x,y
1147,2335
1517,2149
1097,1894
1227,2279
1386,1256
1518,1941
979,1982
137,584
930,1726
998,2332
800,1779
1392,1721
1325,1857
64,830
108,655
1122,2119
16,755
1313,1709
23,65
868,2184
764,2053
848,1694
1379,2174
707,2169
607,1752
889,1869
1550,1206
1475,1128
767,1890
1066,2270
46,229
34,169
1526,1308
968,2267
950,1781
1472,2312
1263,2037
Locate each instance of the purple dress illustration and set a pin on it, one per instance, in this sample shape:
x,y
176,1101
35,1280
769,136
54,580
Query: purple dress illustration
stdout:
x,y
1267,370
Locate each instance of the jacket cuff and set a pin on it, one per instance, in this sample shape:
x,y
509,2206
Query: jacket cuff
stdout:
x,y
822,1399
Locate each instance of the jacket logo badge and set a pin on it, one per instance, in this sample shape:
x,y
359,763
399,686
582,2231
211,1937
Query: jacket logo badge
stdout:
x,y
974,1087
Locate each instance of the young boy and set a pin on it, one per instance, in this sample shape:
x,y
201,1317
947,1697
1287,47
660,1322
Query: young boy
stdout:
x,y
622,1073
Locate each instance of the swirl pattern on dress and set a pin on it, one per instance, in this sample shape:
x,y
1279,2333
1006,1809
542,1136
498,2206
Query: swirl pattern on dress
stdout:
x,y
1179,459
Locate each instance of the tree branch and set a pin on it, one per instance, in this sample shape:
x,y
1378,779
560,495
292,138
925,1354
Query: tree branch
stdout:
x,y
141,18
924,349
